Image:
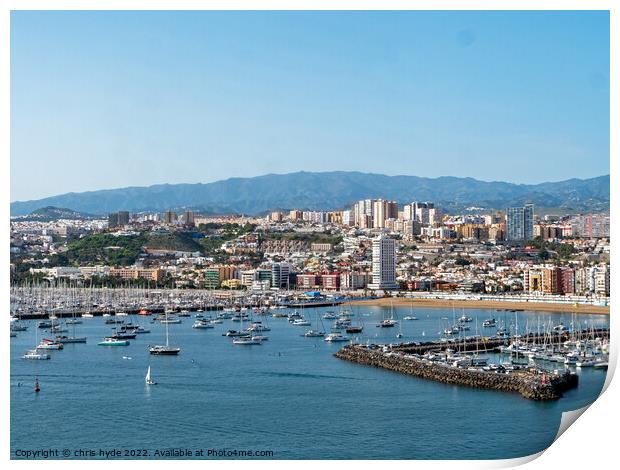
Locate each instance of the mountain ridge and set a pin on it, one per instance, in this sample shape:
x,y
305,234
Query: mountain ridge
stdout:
x,y
329,191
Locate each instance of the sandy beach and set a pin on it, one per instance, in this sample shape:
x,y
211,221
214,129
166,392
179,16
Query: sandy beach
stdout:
x,y
442,303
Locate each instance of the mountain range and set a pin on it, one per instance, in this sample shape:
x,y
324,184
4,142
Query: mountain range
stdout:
x,y
331,191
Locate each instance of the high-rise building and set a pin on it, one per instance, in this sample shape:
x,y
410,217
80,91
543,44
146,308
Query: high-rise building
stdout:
x,y
520,223
170,217
383,263
280,274
123,218
113,220
188,218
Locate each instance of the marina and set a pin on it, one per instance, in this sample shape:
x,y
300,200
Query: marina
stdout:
x,y
280,379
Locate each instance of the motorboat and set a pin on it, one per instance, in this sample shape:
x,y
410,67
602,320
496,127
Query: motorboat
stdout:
x,y
34,355
314,334
410,317
202,325
301,322
50,344
490,323
335,338
330,316
110,341
246,340
70,339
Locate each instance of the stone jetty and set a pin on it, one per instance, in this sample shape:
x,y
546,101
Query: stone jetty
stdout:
x,y
532,383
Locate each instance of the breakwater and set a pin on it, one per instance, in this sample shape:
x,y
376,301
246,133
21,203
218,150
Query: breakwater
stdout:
x,y
531,383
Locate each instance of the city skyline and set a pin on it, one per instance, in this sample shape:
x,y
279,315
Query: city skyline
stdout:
x,y
201,96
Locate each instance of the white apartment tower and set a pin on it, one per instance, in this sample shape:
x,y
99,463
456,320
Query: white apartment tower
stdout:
x,y
383,263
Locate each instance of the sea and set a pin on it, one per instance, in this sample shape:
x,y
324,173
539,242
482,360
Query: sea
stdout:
x,y
288,398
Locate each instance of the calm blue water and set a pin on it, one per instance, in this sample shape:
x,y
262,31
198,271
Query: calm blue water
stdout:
x,y
288,395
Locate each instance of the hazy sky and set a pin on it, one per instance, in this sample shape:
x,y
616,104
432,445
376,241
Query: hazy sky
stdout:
x,y
103,100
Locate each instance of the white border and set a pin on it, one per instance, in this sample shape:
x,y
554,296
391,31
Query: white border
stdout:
x,y
590,443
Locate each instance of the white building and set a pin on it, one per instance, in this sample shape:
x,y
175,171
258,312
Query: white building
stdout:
x,y
383,263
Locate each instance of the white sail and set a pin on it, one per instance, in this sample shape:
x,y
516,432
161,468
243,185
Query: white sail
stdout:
x,y
148,375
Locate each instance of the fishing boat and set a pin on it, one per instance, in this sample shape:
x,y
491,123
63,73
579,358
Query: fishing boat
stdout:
x,y
165,350
110,341
148,379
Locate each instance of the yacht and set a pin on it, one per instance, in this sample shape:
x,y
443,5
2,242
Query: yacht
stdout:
x,y
34,355
70,339
465,319
235,333
335,337
490,323
301,322
246,340
354,329
87,315
314,334
50,344
330,316
110,341
202,325
171,321
44,324
386,323
148,379
165,350
410,317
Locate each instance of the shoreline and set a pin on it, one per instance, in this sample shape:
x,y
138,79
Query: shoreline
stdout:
x,y
486,304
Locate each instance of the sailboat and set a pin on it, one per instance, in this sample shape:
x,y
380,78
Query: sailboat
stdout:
x,y
166,350
148,379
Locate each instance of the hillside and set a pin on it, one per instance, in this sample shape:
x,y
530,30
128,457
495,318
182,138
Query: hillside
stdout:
x,y
331,190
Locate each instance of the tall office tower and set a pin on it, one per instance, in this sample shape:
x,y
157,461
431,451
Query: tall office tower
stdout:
x,y
170,217
280,273
113,220
520,223
188,218
123,218
383,263
378,213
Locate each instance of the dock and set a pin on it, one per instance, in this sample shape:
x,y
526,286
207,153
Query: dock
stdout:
x,y
532,383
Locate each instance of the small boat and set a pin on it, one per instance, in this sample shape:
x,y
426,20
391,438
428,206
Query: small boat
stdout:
x,y
148,380
165,350
490,323
44,324
171,321
110,341
87,315
202,325
386,323
121,314
70,339
113,321
34,355
184,313
260,337
246,340
410,317
18,327
73,321
144,312
335,337
330,316
354,329
50,344
601,365
314,334
301,322
123,335
465,319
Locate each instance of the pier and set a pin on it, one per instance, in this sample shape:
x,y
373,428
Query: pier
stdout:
x,y
482,344
531,383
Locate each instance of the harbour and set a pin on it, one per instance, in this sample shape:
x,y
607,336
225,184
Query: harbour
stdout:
x,y
326,407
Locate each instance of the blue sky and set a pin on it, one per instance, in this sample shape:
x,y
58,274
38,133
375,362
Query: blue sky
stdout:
x,y
113,99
